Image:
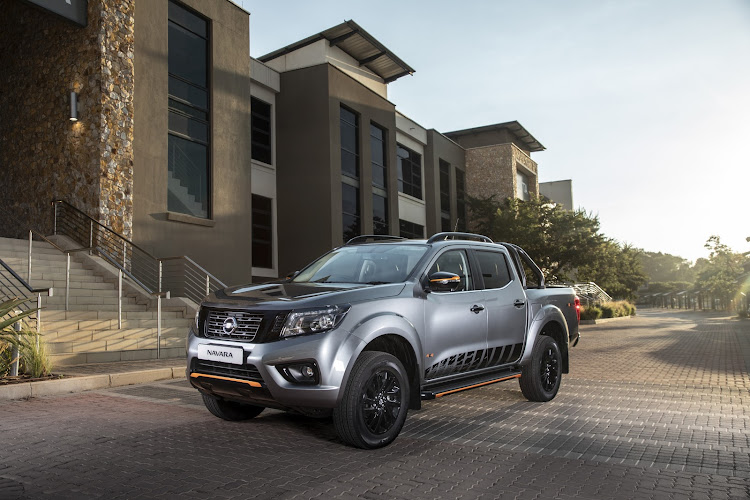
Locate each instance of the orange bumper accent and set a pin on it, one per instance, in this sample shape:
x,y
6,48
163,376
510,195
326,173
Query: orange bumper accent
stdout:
x,y
251,383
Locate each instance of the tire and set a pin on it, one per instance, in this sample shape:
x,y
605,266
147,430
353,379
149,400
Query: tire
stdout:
x,y
540,377
373,408
229,410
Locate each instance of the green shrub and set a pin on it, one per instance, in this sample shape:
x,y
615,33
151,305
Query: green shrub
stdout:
x,y
590,312
608,310
35,361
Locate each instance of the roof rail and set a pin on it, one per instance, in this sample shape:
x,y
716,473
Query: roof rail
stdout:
x,y
363,238
458,236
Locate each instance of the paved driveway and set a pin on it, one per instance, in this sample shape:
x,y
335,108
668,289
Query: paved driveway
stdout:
x,y
655,407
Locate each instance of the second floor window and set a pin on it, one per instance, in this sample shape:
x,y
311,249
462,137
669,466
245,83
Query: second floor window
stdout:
x,y
260,122
409,171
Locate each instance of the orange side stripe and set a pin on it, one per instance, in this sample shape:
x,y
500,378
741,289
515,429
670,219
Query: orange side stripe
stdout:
x,y
476,385
251,383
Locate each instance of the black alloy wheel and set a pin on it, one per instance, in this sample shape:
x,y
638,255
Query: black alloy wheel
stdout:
x,y
373,407
541,375
381,401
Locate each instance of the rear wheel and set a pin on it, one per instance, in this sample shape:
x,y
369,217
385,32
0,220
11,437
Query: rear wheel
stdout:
x,y
230,410
373,408
540,377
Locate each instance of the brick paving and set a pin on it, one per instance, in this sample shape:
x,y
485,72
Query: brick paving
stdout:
x,y
656,407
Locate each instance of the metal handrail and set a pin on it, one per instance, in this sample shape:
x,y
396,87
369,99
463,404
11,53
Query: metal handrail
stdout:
x,y
200,268
29,288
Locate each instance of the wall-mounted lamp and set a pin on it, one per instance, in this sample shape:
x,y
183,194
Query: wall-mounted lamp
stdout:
x,y
73,107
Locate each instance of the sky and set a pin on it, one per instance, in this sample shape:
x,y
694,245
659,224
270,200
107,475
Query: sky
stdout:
x,y
645,105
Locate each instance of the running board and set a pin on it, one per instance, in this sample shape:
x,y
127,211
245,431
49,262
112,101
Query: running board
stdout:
x,y
452,386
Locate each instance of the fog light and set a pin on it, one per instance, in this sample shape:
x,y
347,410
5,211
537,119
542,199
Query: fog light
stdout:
x,y
300,373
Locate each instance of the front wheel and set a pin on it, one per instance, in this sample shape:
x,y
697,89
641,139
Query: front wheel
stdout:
x,y
373,408
540,377
229,410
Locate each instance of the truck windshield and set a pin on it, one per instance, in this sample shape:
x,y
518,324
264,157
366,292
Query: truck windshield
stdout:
x,y
372,263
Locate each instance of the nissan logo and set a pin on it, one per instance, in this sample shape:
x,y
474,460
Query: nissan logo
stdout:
x,y
230,325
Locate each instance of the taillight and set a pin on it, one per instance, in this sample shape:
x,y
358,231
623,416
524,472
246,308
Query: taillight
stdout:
x,y
578,309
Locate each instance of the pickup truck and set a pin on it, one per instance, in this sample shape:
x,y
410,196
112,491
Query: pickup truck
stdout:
x,y
372,328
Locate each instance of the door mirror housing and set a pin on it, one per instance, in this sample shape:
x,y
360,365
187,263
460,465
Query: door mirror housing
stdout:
x,y
443,281
291,276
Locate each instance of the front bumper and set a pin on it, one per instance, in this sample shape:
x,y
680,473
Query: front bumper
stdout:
x,y
258,381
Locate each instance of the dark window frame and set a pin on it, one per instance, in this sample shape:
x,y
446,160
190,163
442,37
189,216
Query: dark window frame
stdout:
x,y
186,106
408,229
257,227
410,178
357,145
461,222
255,117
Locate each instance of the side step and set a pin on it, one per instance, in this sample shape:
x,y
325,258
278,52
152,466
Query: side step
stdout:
x,y
464,384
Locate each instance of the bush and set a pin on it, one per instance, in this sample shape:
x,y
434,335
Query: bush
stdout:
x,y
35,361
590,312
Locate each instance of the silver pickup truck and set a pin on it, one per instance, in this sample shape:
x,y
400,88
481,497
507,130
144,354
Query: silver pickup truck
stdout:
x,y
372,328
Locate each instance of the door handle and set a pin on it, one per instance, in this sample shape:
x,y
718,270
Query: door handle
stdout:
x,y
519,303
477,309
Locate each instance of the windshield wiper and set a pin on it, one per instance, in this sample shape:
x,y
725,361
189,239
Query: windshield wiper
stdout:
x,y
324,279
377,283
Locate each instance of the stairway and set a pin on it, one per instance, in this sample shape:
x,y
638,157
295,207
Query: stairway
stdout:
x,y
88,331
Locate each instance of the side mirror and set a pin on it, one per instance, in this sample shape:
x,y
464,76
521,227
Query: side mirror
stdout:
x,y
443,281
291,276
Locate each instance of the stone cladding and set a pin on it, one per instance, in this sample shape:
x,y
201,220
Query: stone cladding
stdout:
x,y
44,155
491,171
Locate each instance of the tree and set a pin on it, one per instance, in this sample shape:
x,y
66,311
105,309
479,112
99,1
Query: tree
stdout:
x,y
664,267
719,277
567,245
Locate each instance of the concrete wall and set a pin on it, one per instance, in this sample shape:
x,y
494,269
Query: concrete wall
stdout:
x,y
561,192
43,155
222,243
440,147
309,160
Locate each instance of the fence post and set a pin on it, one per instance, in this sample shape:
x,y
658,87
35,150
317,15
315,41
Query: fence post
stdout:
x,y
30,240
208,284
91,235
67,283
124,253
119,299
14,351
39,313
158,314
54,222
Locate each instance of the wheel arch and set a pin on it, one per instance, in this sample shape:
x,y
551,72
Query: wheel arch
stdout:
x,y
549,321
399,347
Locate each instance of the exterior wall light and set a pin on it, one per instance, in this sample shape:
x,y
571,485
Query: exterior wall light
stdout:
x,y
73,107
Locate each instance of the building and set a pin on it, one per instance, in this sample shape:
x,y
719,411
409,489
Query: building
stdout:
x,y
152,117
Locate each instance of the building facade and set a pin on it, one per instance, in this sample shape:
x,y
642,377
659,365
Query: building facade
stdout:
x,y
151,117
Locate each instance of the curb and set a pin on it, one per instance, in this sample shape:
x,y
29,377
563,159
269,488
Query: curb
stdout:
x,y
72,384
602,320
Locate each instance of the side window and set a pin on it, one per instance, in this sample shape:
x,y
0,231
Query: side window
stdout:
x,y
494,268
455,261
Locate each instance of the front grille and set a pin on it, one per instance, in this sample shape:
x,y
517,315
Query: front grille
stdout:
x,y
248,325
244,372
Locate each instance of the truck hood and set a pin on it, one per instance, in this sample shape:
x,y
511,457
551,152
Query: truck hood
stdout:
x,y
289,295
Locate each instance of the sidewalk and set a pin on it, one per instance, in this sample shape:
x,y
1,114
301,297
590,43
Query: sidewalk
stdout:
x,y
77,378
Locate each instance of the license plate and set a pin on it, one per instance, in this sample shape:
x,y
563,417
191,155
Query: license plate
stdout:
x,y
233,355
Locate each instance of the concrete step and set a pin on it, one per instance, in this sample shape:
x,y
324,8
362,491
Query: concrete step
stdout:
x,y
112,356
128,331
97,299
112,340
51,315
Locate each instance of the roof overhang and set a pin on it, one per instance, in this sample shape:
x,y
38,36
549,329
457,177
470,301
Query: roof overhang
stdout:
x,y
516,128
359,44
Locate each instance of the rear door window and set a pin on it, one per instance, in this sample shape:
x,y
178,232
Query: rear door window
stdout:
x,y
494,269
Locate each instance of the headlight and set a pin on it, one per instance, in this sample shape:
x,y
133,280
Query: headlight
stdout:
x,y
313,320
197,315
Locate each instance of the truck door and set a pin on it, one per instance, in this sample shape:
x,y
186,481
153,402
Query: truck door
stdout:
x,y
507,307
456,322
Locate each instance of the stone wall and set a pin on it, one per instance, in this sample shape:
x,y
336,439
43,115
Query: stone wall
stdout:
x,y
491,171
44,155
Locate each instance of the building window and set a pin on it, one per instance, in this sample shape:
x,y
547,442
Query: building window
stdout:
x,y
350,209
262,231
260,123
349,143
522,186
409,172
445,195
460,201
379,154
411,229
379,214
188,143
